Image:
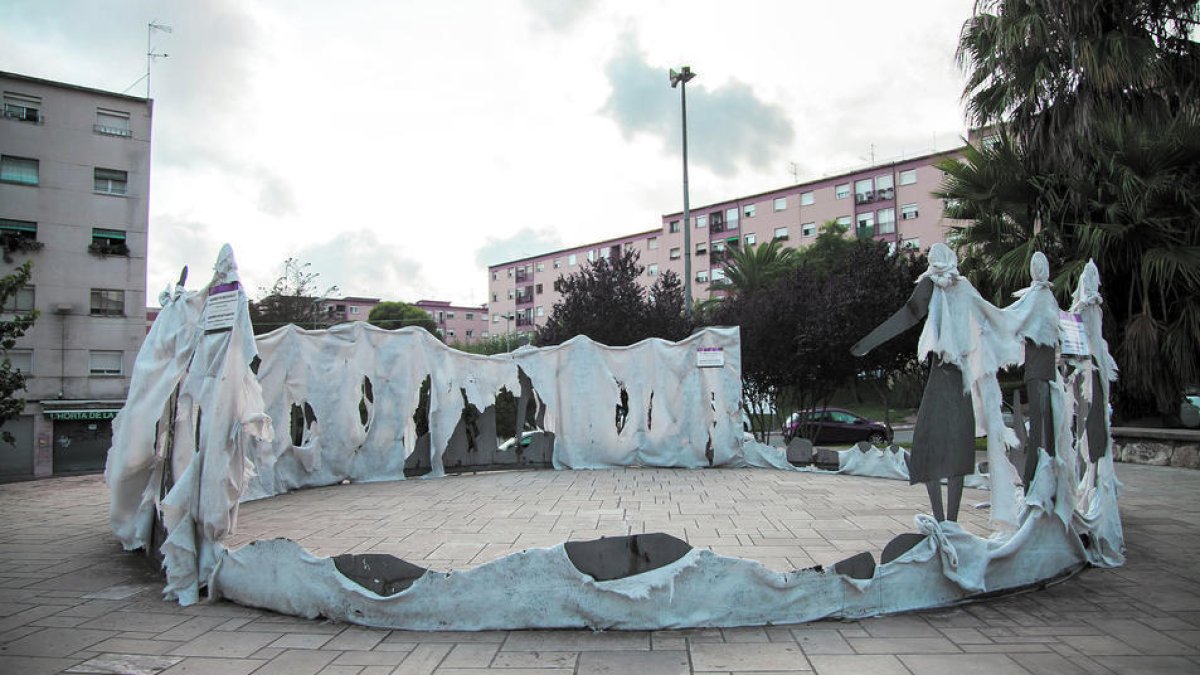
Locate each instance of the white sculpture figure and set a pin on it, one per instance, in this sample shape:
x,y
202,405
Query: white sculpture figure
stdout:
x,y
1096,512
967,340
1035,315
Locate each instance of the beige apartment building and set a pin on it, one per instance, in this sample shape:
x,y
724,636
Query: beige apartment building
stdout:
x,y
74,191
890,201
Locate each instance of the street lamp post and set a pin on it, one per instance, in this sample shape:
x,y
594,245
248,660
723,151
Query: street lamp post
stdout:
x,y
685,75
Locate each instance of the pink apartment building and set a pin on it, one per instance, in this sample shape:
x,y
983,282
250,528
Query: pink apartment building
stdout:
x,y
458,324
892,202
349,308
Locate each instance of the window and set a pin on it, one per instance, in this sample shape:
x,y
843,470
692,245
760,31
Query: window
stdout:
x,y
844,221
21,301
108,242
842,191
702,248
112,123
884,186
886,218
702,276
449,315
111,181
990,141
572,260
781,233
450,333
605,253
470,316
629,246
864,190
470,333
510,272
484,335
749,210
676,253
913,244
652,270
673,227
495,318
540,311
751,239
537,289
557,263
731,219
493,276
718,275
21,359
652,243
21,107
701,222
780,203
808,229
541,267
18,170
510,294
718,247
354,309
18,229
908,212
483,318
866,225
908,177
104,362
495,298
806,198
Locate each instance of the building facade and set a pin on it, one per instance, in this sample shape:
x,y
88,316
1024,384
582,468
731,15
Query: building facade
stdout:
x,y
891,202
349,308
458,324
74,200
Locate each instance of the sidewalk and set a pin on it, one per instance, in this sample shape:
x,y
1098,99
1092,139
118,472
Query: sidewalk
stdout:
x,y
71,601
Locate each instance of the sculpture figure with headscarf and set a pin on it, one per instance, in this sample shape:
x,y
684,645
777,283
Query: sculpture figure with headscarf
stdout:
x,y
967,340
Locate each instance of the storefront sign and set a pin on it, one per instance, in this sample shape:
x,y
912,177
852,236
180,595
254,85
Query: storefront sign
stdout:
x,y
81,414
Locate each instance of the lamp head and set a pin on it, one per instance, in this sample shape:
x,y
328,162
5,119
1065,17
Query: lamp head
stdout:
x,y
684,75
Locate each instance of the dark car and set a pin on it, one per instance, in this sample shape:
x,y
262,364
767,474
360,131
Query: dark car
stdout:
x,y
833,426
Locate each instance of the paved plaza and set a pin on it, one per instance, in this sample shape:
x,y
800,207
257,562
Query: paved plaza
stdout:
x,y
72,601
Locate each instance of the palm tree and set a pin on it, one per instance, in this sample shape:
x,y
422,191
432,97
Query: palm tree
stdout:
x,y
754,267
1098,158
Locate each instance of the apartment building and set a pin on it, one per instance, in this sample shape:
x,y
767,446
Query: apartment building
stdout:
x,y
349,308
74,191
459,324
891,202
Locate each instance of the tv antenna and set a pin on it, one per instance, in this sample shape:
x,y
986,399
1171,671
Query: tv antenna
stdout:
x,y
795,169
151,55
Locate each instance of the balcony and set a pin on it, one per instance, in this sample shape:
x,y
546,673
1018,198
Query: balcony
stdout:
x,y
22,113
887,193
716,226
112,131
524,320
864,197
523,276
524,298
717,257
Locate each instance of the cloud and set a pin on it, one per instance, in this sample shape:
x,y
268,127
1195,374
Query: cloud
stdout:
x,y
526,241
275,197
727,126
360,264
559,15
176,241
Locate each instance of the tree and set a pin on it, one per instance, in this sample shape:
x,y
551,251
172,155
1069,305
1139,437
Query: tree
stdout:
x,y
1098,157
293,298
12,381
393,315
798,330
605,302
754,267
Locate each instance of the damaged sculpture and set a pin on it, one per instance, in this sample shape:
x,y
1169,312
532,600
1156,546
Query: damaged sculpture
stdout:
x,y
196,438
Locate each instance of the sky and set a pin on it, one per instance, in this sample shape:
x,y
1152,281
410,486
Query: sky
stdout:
x,y
400,147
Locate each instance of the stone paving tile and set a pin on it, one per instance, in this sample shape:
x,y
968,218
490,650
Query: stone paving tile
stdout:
x,y
836,664
536,660
212,666
744,657
575,641
297,662
225,645
962,664
55,642
643,663
125,664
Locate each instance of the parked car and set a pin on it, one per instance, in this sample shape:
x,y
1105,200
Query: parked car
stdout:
x,y
837,426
